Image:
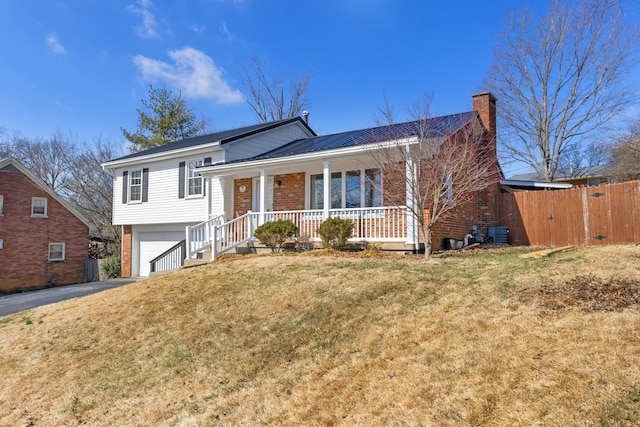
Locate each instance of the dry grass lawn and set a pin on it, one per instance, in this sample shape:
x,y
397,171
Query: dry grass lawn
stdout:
x,y
465,339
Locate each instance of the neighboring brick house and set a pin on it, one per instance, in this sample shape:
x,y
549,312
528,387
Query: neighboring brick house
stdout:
x,y
211,191
43,240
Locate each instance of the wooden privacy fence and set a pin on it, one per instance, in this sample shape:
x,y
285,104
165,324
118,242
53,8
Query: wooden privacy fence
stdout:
x,y
605,214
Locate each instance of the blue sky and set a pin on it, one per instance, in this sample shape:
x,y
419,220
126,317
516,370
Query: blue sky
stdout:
x,y
83,66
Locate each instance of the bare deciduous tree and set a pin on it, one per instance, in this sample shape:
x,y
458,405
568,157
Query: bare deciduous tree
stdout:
x,y
5,145
434,166
90,188
273,97
625,155
560,80
73,170
46,158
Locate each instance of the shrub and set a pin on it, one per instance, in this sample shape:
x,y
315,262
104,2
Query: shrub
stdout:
x,y
334,232
111,266
304,244
274,234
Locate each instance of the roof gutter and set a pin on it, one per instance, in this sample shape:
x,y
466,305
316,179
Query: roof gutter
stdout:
x,y
536,184
161,155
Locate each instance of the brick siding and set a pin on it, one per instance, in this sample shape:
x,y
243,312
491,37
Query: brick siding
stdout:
x,y
24,259
289,196
126,251
242,201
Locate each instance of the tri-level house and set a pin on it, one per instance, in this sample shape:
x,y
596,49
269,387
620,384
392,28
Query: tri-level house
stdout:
x,y
203,196
44,240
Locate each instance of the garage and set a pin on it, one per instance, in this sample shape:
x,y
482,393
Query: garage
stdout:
x,y
152,244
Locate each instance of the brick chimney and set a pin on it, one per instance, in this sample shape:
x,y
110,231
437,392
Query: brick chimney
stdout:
x,y
485,104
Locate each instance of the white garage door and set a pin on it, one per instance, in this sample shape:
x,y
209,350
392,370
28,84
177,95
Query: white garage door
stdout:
x,y
153,244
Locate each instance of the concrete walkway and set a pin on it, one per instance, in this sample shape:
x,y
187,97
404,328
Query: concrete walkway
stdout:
x,y
14,303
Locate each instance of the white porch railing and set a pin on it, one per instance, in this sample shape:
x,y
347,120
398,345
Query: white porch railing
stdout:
x,y
200,236
369,224
387,223
233,233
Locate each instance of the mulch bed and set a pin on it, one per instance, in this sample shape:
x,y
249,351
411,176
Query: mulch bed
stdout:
x,y
588,293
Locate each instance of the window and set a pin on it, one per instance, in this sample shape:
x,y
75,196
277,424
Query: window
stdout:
x,y
39,206
194,179
56,251
317,192
135,186
372,186
1,205
447,188
349,189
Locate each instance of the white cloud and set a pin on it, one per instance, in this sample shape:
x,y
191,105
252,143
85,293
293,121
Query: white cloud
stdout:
x,y
199,29
194,73
226,33
147,29
54,44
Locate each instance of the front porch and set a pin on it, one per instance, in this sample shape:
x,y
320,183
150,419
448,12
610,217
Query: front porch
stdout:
x,y
390,225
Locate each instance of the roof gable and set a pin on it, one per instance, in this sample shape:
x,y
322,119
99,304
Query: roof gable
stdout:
x,y
222,137
12,165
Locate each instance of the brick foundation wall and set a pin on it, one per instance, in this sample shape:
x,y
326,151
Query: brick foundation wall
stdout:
x,y
126,251
24,260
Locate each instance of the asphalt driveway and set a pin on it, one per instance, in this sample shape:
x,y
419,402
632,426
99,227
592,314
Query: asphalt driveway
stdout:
x,y
10,304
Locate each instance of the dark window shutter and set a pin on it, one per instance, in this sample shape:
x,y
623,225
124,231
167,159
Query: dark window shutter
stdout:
x,y
145,184
204,186
181,180
125,185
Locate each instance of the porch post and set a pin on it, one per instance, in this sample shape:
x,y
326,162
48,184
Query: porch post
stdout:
x,y
410,178
263,186
327,191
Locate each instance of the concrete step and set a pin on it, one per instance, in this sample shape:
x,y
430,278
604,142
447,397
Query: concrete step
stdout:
x,y
195,262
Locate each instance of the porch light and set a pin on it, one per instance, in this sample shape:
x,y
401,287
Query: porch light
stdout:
x,y
278,183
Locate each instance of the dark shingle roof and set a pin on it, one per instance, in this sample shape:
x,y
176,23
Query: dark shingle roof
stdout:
x,y
437,126
223,136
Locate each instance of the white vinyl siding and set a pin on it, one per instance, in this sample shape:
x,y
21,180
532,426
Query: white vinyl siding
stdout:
x,y
163,205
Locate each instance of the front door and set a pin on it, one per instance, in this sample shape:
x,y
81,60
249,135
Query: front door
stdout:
x,y
268,194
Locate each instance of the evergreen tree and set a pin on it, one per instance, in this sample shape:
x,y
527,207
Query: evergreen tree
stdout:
x,y
165,118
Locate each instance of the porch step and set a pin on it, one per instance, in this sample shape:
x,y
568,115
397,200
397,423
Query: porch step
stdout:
x,y
195,262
